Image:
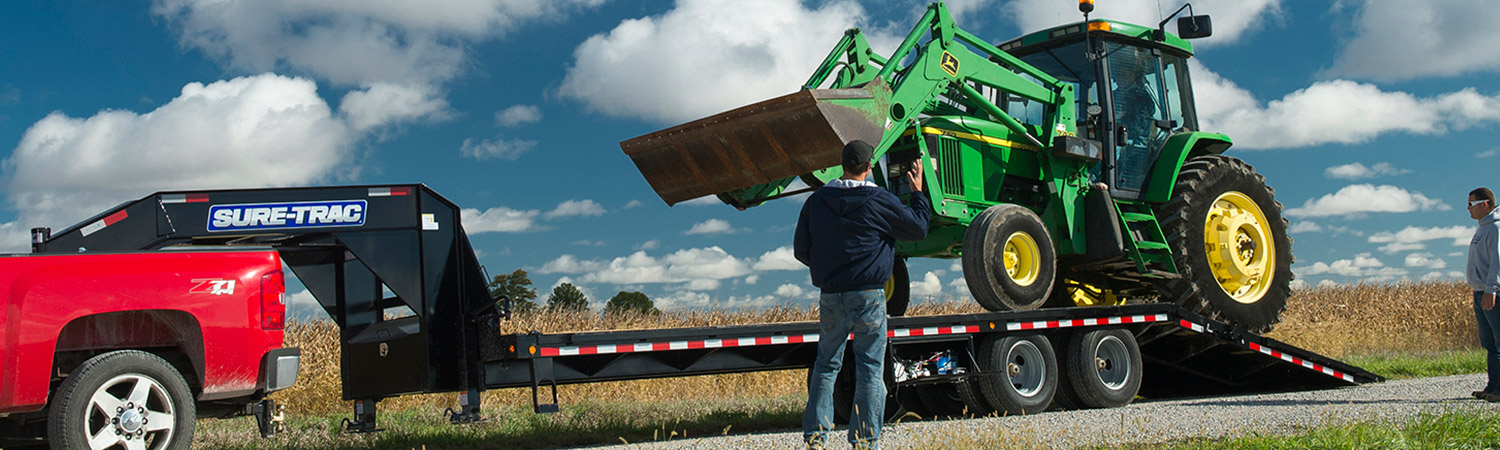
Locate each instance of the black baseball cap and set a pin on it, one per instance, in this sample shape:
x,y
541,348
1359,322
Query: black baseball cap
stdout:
x,y
858,152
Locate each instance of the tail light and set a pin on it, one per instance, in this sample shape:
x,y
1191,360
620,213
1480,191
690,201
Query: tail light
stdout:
x,y
273,301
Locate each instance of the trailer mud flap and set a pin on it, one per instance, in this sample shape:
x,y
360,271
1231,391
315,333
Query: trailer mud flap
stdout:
x,y
786,136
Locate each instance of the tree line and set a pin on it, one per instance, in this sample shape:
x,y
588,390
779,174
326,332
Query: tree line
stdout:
x,y
565,297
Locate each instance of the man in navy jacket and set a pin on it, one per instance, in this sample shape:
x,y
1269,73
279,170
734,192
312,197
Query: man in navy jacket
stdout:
x,y
846,235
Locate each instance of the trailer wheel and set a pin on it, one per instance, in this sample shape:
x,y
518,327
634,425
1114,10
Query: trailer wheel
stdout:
x,y
974,403
941,400
898,289
1229,242
1008,259
1028,374
1101,369
127,399
843,392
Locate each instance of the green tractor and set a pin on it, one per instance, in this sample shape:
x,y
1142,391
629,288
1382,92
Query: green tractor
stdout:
x,y
1065,167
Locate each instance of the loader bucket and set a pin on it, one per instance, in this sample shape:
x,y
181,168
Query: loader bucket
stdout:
x,y
786,136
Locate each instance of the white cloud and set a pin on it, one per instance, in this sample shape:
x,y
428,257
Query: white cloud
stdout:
x,y
498,219
682,266
1425,261
590,243
500,148
1327,284
1356,171
1233,19
576,208
648,245
790,291
1488,153
352,42
256,131
704,57
781,258
752,279
928,286
386,103
1438,38
518,115
960,287
632,204
1361,266
1415,238
1332,112
711,226
707,200
1366,198
15,237
1303,226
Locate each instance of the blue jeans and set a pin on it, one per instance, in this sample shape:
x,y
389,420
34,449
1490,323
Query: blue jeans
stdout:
x,y
1489,337
863,314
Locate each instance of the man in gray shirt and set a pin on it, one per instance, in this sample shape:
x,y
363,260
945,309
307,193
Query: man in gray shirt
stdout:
x,y
1483,276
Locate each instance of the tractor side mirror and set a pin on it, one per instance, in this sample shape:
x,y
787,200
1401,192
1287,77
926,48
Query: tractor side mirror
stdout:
x,y
1194,27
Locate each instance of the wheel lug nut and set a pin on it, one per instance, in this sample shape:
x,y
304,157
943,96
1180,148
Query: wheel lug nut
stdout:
x,y
119,409
118,431
114,420
130,405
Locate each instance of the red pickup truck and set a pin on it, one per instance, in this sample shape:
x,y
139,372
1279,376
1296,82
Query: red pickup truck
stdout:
x,y
104,350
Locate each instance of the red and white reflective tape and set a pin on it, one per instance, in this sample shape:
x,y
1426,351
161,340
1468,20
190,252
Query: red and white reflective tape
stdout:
x,y
1042,325
1192,326
675,345
1301,362
738,342
389,191
107,221
933,331
184,198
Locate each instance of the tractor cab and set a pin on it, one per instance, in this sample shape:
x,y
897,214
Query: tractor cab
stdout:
x,y
1132,85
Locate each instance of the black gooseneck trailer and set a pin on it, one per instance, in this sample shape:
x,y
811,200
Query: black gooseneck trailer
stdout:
x,y
393,268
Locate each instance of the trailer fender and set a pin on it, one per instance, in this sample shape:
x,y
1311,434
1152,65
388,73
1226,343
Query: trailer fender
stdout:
x,y
1178,148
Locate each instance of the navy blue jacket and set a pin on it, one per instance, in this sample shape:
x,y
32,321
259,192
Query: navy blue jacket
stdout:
x,y
847,236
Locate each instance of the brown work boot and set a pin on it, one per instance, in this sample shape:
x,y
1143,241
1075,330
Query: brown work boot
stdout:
x,y
1492,398
1479,394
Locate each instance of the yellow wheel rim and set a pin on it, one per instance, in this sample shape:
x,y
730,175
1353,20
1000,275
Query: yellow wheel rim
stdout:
x,y
1022,258
1237,240
890,288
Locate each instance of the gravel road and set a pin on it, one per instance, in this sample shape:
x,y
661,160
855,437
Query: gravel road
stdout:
x,y
1161,421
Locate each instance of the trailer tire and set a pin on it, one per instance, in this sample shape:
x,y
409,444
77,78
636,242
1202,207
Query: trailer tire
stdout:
x,y
843,392
118,394
974,403
1241,273
941,400
1008,259
1028,378
1100,369
898,289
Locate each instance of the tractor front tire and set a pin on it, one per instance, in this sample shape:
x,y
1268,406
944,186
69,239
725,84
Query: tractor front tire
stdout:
x,y
898,289
1008,259
1229,242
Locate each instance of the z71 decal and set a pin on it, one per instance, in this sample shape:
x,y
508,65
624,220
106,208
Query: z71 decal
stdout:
x,y
212,286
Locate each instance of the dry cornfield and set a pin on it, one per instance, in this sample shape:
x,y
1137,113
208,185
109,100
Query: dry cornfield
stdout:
x,y
1336,321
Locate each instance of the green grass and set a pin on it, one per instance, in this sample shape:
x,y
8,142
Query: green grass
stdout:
x,y
581,423
1395,366
1456,430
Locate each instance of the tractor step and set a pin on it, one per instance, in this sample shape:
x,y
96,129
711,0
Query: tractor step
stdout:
x,y
1145,242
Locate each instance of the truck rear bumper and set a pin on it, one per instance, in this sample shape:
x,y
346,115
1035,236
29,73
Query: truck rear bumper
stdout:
x,y
280,368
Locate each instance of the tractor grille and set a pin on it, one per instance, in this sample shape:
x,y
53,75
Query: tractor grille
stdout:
x,y
950,166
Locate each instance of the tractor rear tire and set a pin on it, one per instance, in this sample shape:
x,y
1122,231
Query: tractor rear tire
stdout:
x,y
1008,259
1229,242
898,289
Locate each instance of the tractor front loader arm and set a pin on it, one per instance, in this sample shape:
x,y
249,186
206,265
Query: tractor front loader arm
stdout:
x,y
755,153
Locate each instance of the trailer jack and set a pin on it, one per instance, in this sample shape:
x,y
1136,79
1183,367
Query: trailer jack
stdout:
x,y
541,372
364,418
468,409
270,417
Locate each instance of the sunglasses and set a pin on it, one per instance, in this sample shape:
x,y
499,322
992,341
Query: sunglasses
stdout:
x,y
1473,203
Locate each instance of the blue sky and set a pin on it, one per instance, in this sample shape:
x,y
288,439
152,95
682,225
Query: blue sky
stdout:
x,y
1372,119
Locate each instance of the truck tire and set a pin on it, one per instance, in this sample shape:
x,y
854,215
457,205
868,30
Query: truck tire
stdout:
x,y
1028,374
119,397
1008,259
974,403
898,289
940,400
1229,242
1100,369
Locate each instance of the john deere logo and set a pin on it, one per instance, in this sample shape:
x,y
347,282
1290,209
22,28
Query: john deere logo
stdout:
x,y
950,64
